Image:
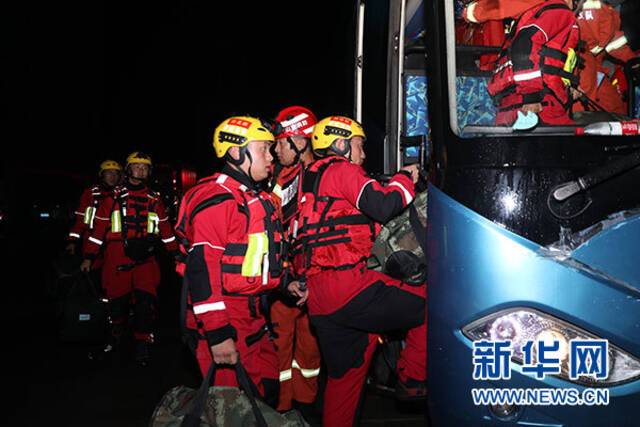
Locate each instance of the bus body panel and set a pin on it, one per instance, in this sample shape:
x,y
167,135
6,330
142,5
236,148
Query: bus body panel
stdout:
x,y
476,268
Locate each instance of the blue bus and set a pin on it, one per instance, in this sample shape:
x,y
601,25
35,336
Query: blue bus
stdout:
x,y
531,236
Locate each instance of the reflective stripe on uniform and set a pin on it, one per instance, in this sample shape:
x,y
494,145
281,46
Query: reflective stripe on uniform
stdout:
x,y
116,224
591,4
206,243
96,241
307,373
205,308
89,215
470,9
285,375
256,249
616,44
527,76
407,195
596,50
76,235
169,240
152,223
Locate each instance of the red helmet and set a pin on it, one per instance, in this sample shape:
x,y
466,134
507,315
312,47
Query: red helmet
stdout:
x,y
295,121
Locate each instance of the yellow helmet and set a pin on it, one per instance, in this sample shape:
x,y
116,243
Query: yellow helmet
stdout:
x,y
138,157
239,131
331,128
109,165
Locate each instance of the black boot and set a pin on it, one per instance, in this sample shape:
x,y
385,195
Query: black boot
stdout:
x,y
411,390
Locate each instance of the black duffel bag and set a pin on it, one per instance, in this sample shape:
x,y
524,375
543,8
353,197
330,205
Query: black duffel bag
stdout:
x,y
141,248
83,313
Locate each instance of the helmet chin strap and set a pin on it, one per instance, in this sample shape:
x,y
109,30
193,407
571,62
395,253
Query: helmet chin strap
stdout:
x,y
346,152
293,146
250,166
240,160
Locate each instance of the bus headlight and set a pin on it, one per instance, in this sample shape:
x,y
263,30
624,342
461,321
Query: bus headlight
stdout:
x,y
520,325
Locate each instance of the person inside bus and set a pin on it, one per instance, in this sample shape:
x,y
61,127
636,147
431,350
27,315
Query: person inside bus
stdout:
x,y
534,68
601,34
488,33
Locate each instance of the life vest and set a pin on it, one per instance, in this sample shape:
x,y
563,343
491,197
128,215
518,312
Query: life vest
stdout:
x,y
252,260
557,60
134,213
135,220
286,190
329,233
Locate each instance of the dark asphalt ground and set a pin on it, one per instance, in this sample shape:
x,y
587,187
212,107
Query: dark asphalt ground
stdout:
x,y
52,383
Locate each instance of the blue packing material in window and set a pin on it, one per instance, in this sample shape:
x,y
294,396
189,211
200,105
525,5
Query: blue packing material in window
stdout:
x,y
474,105
636,109
415,106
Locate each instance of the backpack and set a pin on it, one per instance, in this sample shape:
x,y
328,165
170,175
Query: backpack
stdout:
x,y
400,247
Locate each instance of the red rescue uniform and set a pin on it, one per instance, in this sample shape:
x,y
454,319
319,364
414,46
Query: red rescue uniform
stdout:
x,y
127,228
600,31
84,217
233,236
297,346
341,211
531,67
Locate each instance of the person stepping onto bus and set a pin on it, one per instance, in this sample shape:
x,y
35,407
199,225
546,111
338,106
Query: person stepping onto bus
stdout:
x,y
341,210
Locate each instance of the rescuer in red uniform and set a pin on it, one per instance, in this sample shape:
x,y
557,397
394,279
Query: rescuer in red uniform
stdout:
x,y
128,228
232,235
341,210
600,31
90,200
535,66
297,347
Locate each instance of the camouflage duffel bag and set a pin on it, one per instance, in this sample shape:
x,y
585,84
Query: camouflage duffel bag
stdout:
x,y
219,406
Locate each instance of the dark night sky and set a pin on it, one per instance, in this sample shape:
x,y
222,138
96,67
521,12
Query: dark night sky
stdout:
x,y
94,79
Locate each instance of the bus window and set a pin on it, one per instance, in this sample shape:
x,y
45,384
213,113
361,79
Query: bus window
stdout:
x,y
415,136
507,79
